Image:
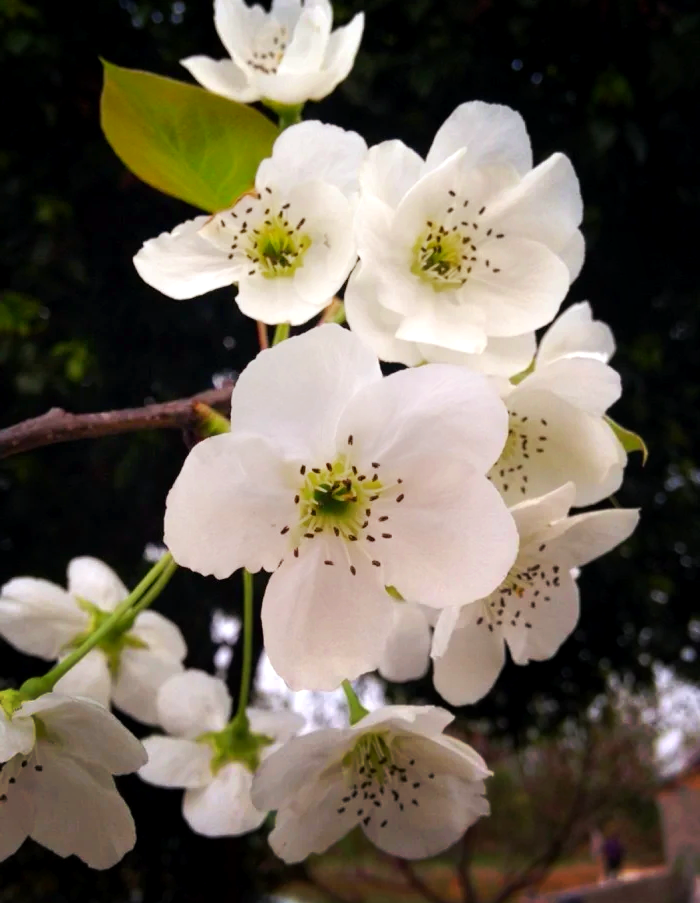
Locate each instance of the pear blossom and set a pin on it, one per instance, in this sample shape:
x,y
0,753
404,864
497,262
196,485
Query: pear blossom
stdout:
x,y
205,759
287,245
468,251
126,668
285,57
343,482
557,428
406,655
57,758
536,607
412,790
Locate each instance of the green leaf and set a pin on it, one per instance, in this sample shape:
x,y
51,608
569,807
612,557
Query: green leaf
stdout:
x,y
630,441
181,139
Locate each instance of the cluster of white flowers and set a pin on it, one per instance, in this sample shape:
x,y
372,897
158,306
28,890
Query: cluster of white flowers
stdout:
x,y
416,517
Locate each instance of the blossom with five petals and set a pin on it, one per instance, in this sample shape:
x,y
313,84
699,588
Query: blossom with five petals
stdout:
x,y
58,755
204,758
127,667
536,607
413,791
343,482
557,429
288,245
286,56
468,251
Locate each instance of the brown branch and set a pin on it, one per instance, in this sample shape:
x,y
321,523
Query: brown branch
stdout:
x,y
464,869
416,882
58,425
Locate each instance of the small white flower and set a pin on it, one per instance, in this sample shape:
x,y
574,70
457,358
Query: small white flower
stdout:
x,y
406,655
58,756
536,607
468,251
40,618
288,245
203,757
557,429
343,482
413,791
286,56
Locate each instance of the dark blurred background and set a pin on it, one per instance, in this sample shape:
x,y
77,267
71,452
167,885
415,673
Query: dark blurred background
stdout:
x,y
612,83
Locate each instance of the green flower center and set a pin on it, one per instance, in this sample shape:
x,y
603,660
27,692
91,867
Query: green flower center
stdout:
x,y
113,644
234,744
337,498
439,258
277,249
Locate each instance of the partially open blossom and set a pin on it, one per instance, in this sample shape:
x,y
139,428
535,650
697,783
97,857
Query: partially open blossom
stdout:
x,y
57,758
413,791
343,482
126,667
536,607
575,333
287,56
206,759
288,245
468,251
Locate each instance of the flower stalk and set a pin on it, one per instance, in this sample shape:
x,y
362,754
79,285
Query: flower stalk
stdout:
x,y
240,720
356,710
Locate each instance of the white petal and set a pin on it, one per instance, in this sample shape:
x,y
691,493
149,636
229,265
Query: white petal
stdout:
x,y
228,505
93,580
193,703
140,676
375,324
293,88
444,322
38,617
547,619
545,206
493,135
575,332
390,171
573,253
237,25
502,356
87,731
223,77
90,677
16,735
425,720
173,762
299,761
527,291
16,818
407,652
472,660
280,726
583,382
79,812
307,49
535,515
321,623
312,822
274,301
314,152
293,394
583,538
183,264
341,51
287,12
223,808
160,634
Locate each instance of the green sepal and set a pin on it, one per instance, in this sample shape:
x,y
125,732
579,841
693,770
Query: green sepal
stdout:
x,y
235,743
11,700
631,442
209,421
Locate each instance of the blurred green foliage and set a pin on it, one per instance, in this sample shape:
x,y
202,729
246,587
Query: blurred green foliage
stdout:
x,y
612,83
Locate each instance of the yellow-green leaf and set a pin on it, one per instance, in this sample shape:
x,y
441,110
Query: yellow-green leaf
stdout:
x,y
630,441
181,139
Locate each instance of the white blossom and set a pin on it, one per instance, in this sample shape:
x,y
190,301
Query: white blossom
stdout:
x,y
412,790
287,56
557,428
203,757
343,482
58,756
126,668
466,252
536,607
287,245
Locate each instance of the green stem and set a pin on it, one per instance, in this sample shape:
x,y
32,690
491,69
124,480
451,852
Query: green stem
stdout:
x,y
281,333
37,686
241,719
152,594
287,116
357,710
